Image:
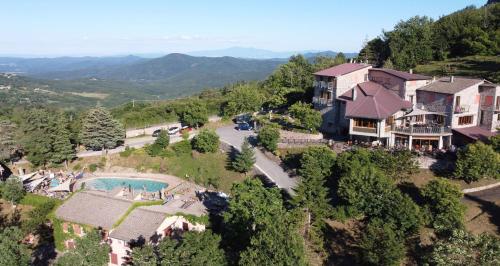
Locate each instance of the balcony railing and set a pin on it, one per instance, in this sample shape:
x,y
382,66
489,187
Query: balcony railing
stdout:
x,y
322,101
423,130
365,129
461,109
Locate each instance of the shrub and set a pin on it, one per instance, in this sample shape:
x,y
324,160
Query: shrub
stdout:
x,y
12,190
206,141
93,167
306,117
153,150
77,167
127,152
182,147
244,160
163,139
443,202
268,137
477,161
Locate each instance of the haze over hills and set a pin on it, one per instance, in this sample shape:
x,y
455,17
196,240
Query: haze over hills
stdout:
x,y
250,52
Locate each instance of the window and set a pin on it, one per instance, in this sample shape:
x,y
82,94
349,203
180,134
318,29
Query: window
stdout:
x,y
411,98
358,122
419,118
457,101
390,120
465,120
498,103
498,117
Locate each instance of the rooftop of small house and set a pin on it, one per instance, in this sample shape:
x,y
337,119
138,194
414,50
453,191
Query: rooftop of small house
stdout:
x,y
372,101
451,85
341,69
407,76
139,223
93,209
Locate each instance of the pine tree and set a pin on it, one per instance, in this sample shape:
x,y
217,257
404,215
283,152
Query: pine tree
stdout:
x,y
245,160
62,149
100,130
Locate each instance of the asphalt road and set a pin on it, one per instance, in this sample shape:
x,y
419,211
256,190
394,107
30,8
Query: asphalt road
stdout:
x,y
491,195
272,170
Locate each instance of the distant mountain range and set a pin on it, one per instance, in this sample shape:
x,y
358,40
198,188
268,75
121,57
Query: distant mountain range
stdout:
x,y
249,52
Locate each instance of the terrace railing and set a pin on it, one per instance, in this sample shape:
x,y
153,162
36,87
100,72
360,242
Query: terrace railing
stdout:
x,y
423,130
322,101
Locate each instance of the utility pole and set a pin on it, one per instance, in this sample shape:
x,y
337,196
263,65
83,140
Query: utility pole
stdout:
x,y
133,103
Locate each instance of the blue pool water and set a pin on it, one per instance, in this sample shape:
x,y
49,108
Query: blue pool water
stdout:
x,y
54,182
137,184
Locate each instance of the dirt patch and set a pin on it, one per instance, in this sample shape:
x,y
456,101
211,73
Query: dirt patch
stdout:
x,y
95,95
343,239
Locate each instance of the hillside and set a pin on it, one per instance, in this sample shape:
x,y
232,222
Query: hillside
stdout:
x,y
486,67
33,66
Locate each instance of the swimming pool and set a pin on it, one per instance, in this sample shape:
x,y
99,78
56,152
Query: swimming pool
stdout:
x,y
54,182
137,184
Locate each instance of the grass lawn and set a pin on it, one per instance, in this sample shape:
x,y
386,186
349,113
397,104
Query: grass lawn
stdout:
x,y
192,166
472,66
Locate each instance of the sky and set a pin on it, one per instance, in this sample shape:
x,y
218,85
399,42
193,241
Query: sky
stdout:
x,y
118,27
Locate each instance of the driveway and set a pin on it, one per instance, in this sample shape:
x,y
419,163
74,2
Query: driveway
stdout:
x,y
269,168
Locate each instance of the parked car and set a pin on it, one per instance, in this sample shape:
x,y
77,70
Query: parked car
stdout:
x,y
173,130
244,126
156,133
243,118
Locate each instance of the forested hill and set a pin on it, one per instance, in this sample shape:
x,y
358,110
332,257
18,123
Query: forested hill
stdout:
x,y
179,68
466,42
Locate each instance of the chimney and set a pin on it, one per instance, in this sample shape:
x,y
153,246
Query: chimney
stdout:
x,y
411,71
354,94
452,78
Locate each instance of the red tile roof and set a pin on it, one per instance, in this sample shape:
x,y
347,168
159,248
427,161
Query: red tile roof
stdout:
x,y
475,133
340,69
373,101
400,74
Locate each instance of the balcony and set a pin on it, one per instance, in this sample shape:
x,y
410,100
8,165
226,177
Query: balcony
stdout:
x,y
423,130
370,130
322,101
463,108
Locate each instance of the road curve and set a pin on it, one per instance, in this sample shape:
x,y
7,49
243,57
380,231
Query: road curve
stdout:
x,y
269,168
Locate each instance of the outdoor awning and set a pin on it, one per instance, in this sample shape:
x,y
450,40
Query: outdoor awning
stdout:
x,y
417,112
62,187
27,176
35,183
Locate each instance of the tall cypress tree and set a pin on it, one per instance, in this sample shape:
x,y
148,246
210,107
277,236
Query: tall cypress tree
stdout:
x,y
100,130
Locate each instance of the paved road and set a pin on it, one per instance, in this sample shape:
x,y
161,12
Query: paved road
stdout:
x,y
268,167
491,195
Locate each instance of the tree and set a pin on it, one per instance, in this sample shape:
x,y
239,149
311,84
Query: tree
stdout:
x,y
495,142
195,114
297,73
411,42
243,98
463,248
13,190
12,251
477,161
315,166
244,160
100,130
206,141
161,142
397,165
194,248
381,245
443,202
144,256
62,149
90,250
8,143
307,117
277,244
258,225
268,137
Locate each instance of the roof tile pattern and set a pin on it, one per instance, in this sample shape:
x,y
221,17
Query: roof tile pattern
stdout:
x,y
340,70
139,223
400,74
444,85
373,101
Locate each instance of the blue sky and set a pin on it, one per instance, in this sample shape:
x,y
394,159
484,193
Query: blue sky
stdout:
x,y
112,27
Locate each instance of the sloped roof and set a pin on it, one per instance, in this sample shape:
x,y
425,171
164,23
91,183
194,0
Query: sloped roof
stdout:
x,y
475,133
139,223
92,209
443,85
400,74
373,101
341,69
